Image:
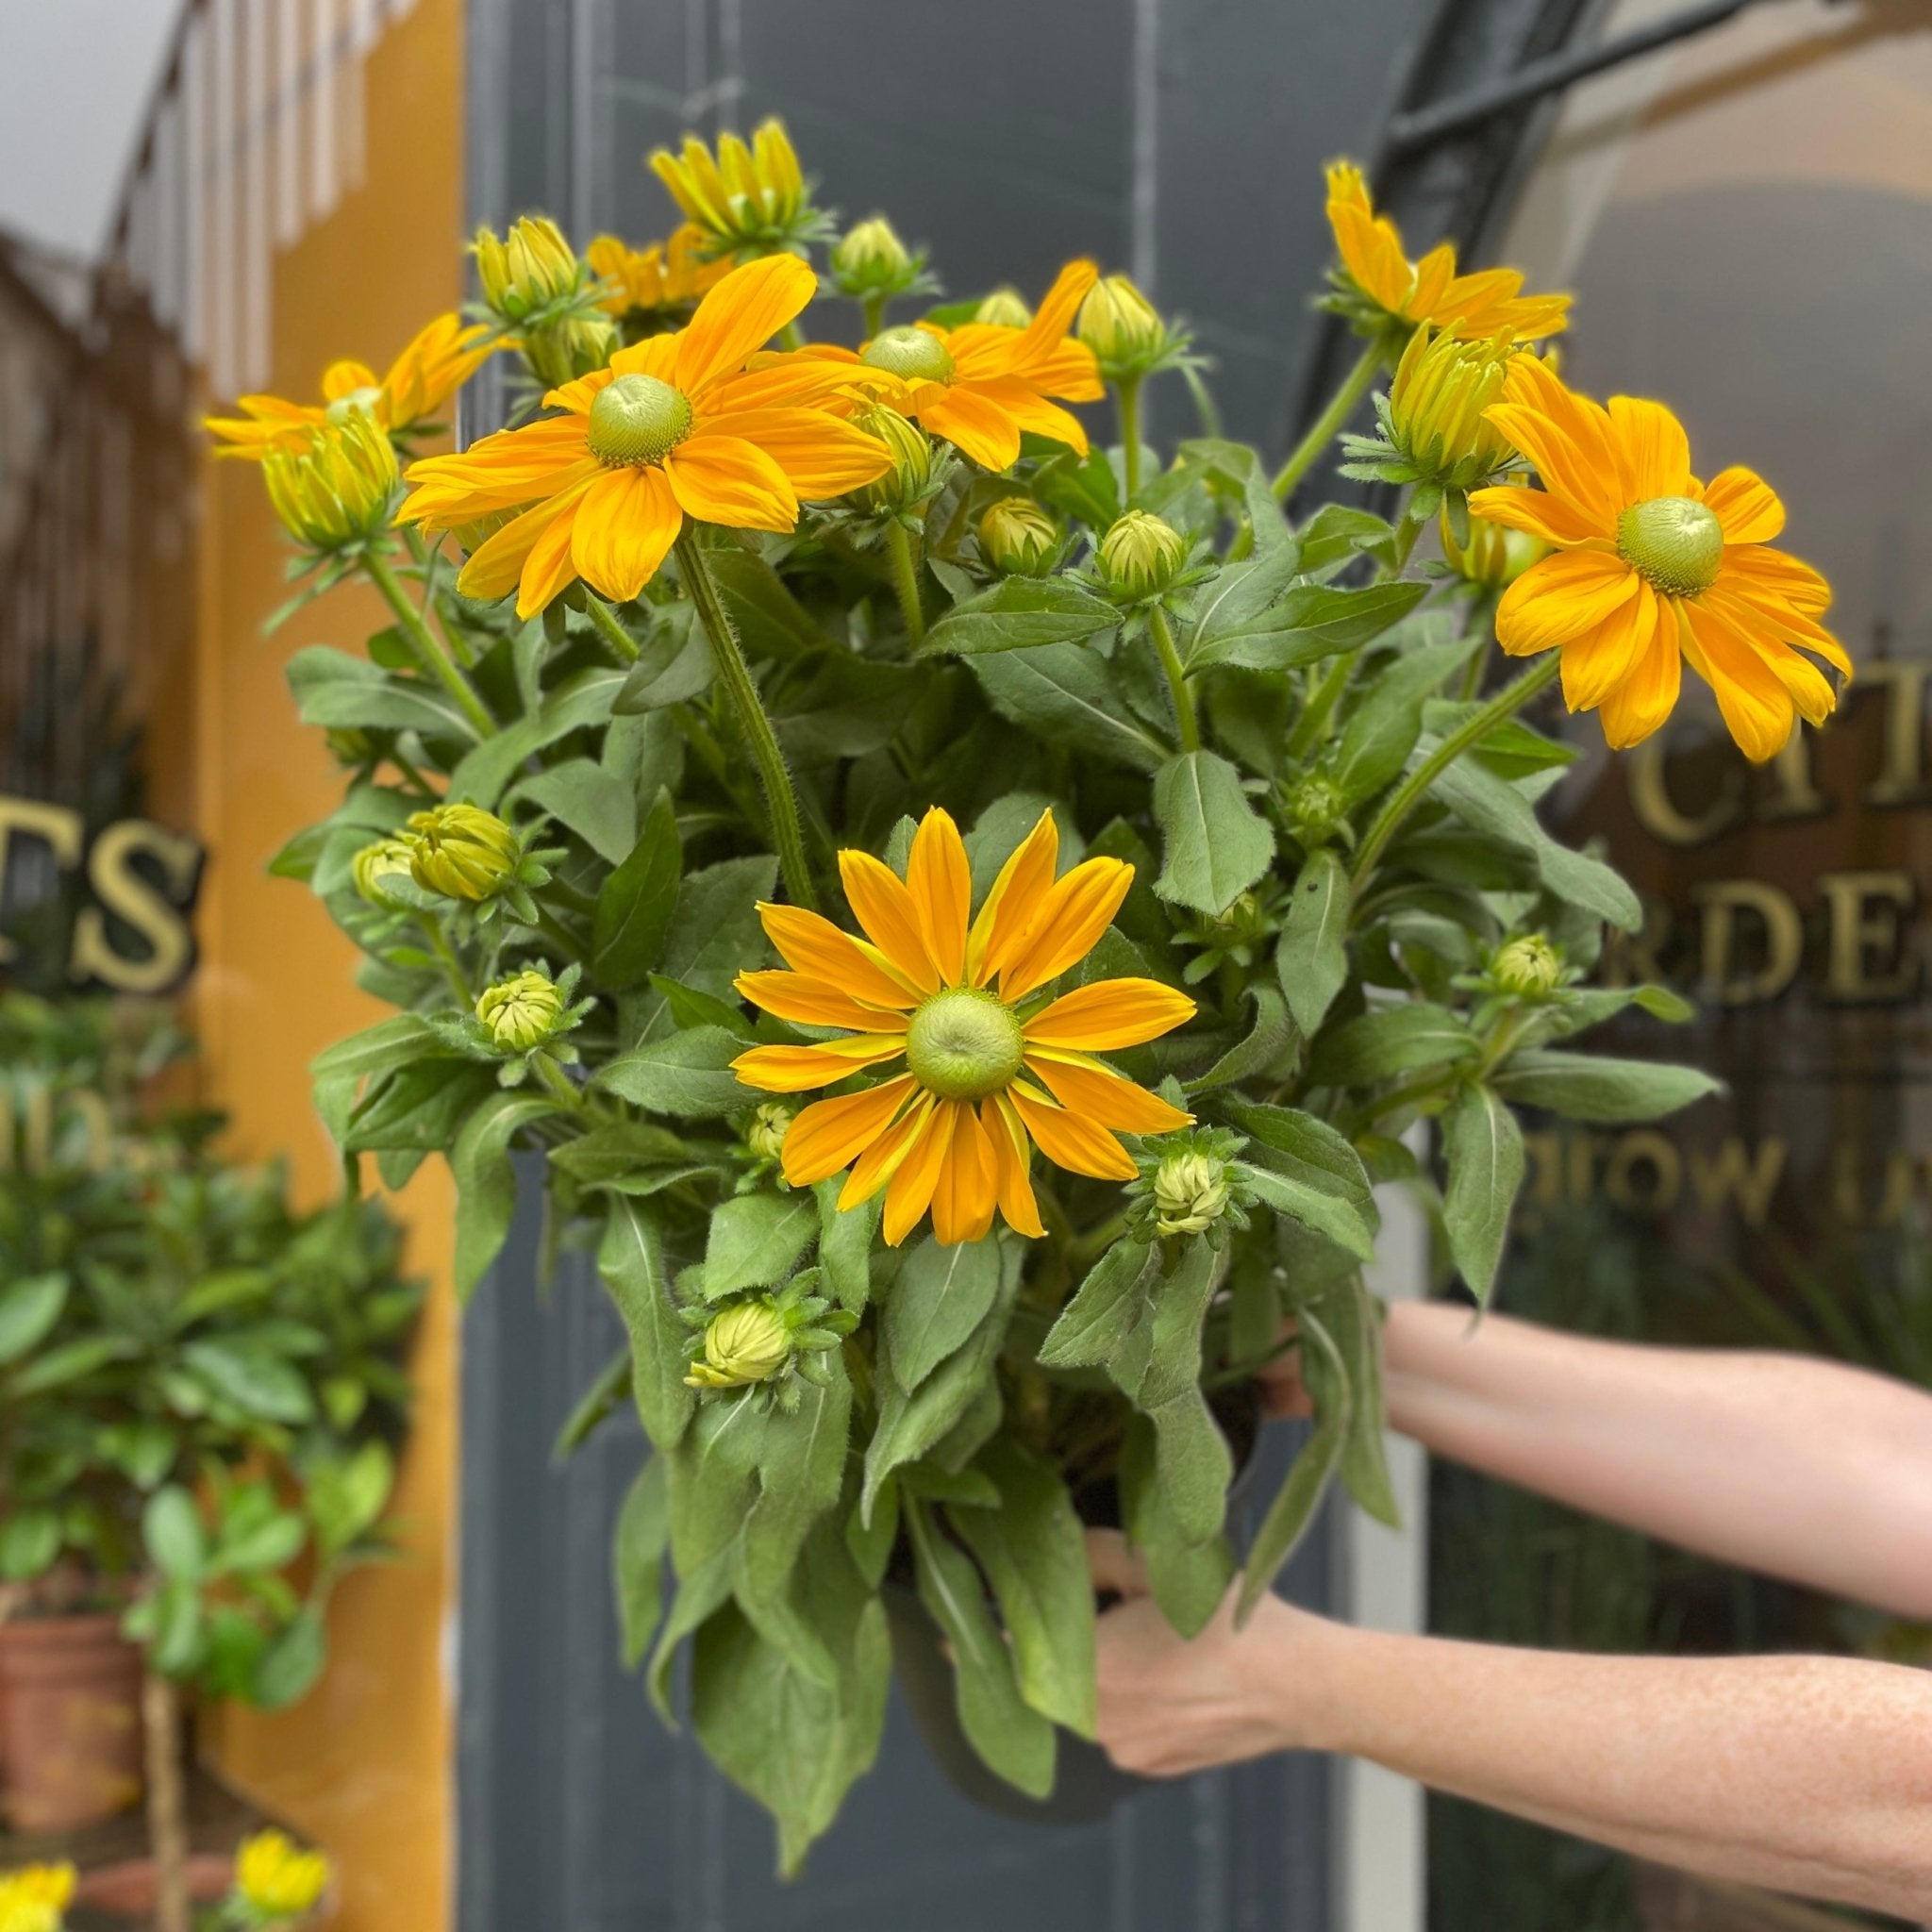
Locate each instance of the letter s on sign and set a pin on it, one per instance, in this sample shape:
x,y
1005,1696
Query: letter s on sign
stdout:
x,y
161,922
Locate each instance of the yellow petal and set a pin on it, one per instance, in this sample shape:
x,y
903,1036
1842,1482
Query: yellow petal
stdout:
x,y
1010,907
1534,510
1110,1013
830,1134
624,527
1071,1142
808,1002
1109,1099
910,1190
968,1190
820,454
1598,662
940,880
1745,505
797,1069
980,428
742,314
724,480
885,909
1635,708
1652,452
1560,598
1012,1151
1073,912
814,946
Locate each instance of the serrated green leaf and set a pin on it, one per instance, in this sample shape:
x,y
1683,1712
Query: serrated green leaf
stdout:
x,y
1483,1147
1215,844
1311,957
1595,1088
940,1297
631,1262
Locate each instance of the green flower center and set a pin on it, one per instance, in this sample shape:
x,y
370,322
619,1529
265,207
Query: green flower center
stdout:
x,y
963,1044
1674,541
914,353
636,419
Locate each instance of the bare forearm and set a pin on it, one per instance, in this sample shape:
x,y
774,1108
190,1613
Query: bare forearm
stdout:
x,y
1807,1774
1801,1469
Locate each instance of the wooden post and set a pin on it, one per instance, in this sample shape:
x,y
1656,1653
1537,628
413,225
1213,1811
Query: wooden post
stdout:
x,y
167,1802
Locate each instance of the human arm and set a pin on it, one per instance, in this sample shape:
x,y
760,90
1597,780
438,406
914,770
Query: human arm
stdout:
x,y
1806,1470
1808,1774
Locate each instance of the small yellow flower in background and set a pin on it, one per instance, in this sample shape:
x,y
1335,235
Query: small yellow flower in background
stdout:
x,y
1437,401
520,1012
1652,567
376,864
462,852
1395,291
1141,554
987,1076
870,255
660,281
1527,966
1126,332
34,1898
1019,536
746,1342
528,269
278,1877
335,488
747,198
677,425
1003,309
916,470
1493,558
436,362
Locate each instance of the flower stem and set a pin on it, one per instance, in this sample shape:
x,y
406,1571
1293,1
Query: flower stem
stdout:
x,y
422,641
623,645
905,581
1176,678
452,966
1127,397
735,675
874,307
1329,421
1408,794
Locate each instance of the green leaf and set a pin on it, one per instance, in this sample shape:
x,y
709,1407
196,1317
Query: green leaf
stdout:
x,y
1353,1319
1311,622
1303,1167
1033,1550
579,703
1483,1147
1065,694
940,1297
1013,1740
1234,605
290,1665
631,1260
70,1361
1215,843
755,1241
270,1545
1311,960
1019,614
1189,1579
383,1048
1594,1087
598,805
1591,1006
1105,1311
1390,1041
335,691
846,1245
1300,1495
715,937
418,1109
674,666
171,1532
772,623
635,905
688,1074
1384,728
618,1151
801,1474
257,1385
643,1535
1337,534
1192,1456
28,1310
29,1542
1264,1042
346,1496
485,1182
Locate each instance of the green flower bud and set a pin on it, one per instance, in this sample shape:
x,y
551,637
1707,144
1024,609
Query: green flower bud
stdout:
x,y
1493,558
1527,966
1017,535
334,490
528,268
871,260
462,852
1140,554
1004,307
765,1136
908,482
748,1343
388,858
1315,805
520,1012
349,746
1437,404
1121,326
1190,1194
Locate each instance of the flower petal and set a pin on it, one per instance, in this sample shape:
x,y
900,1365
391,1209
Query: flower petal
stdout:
x,y
980,428
497,564
968,1189
885,909
1560,598
1071,1142
830,1134
1652,452
1536,510
820,454
626,525
725,479
813,945
1030,411
910,1192
809,1002
1600,660
1084,1087
1012,1151
742,314
797,1069
939,876
1757,709
1810,688
1009,905
1745,505
1073,912
1634,709
881,1160
1110,1013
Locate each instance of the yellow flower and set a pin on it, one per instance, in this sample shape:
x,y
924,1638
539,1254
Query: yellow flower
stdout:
x,y
748,197
665,278
437,364
34,1898
1398,291
1652,566
335,488
989,1072
1437,405
678,426
278,1877
528,269
462,852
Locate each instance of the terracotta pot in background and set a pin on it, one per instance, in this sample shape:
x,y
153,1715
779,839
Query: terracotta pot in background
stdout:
x,y
70,1721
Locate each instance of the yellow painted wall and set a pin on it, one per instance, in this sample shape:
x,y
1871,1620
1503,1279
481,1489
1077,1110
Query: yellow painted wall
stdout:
x,y
363,1765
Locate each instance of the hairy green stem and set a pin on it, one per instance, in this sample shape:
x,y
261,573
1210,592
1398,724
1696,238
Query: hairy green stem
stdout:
x,y
905,581
874,307
623,645
1408,794
734,674
428,653
452,966
1176,678
1127,397
1328,424
1312,726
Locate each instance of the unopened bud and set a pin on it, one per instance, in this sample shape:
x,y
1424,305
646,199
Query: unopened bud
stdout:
x,y
1121,326
1005,307
765,1136
1495,557
527,268
520,1012
1142,555
748,1343
871,260
375,865
1437,401
462,852
1315,804
908,482
1527,966
1190,1194
1017,535
335,488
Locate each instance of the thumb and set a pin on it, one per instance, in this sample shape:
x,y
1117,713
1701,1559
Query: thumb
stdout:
x,y
1115,1567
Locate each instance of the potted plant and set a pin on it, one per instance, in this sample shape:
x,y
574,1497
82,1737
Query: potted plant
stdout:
x,y
801,784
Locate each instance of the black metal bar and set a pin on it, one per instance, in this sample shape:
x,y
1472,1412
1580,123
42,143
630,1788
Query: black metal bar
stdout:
x,y
1427,125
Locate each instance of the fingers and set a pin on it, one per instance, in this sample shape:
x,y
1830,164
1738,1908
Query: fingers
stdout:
x,y
1115,1567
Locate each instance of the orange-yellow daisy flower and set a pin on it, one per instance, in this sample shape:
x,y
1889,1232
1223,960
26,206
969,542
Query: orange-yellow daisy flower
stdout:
x,y
1652,565
420,380
669,274
1481,306
988,1075
675,427
981,384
